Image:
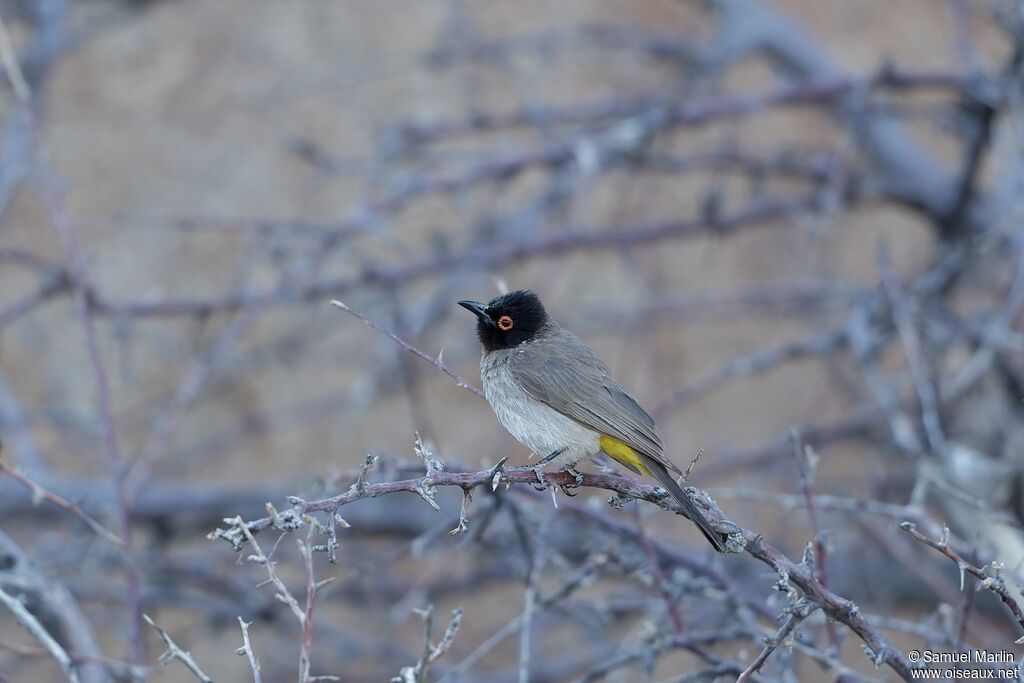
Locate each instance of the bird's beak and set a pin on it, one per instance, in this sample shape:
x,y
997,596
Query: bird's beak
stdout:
x,y
479,309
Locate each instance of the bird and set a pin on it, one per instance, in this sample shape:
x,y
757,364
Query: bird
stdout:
x,y
553,394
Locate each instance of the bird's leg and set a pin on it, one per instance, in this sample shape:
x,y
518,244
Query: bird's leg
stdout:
x,y
550,456
538,468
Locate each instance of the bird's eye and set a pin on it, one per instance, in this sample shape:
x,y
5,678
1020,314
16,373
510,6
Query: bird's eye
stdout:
x,y
504,323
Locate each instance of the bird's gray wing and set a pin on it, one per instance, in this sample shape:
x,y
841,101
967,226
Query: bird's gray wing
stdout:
x,y
567,375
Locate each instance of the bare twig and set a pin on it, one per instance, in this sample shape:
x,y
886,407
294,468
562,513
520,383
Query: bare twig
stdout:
x,y
794,615
115,461
246,651
40,494
990,577
807,463
303,615
436,361
915,356
174,652
878,647
526,620
11,66
689,468
660,581
117,668
417,673
306,651
259,557
52,604
28,620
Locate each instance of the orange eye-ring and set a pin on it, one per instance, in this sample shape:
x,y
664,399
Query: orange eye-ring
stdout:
x,y
504,323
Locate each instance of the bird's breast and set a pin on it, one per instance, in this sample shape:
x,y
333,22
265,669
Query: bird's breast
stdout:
x,y
533,423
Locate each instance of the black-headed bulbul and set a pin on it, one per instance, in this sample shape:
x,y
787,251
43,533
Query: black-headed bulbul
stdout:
x,y
556,397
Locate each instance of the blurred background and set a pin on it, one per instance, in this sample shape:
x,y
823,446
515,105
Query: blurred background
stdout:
x,y
764,216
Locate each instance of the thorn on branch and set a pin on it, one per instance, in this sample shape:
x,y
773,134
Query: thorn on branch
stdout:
x,y
329,530
463,526
433,465
427,493
496,472
368,464
783,585
431,462
693,463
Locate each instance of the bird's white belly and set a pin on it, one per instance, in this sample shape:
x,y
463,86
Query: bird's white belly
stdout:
x,y
534,424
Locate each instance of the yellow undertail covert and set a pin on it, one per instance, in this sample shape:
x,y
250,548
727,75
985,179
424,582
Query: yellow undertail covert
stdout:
x,y
623,453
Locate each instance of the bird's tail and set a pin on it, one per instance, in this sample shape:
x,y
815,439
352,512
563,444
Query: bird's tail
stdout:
x,y
691,511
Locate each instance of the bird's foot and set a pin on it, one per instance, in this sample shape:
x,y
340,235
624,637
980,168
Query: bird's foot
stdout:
x,y
538,471
542,482
576,475
578,481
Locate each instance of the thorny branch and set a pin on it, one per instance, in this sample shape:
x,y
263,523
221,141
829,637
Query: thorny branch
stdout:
x,y
792,618
173,652
990,576
304,615
240,532
246,651
417,673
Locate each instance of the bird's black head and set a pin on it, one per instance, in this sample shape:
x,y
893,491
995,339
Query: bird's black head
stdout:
x,y
508,320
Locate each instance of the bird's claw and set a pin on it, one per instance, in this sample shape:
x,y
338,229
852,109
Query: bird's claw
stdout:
x,y
542,482
576,475
538,471
578,481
